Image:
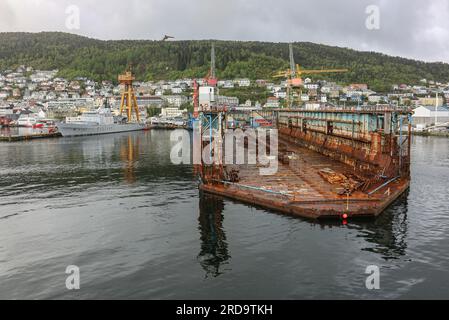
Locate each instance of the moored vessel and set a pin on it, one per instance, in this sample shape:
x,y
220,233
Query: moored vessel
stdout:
x,y
100,121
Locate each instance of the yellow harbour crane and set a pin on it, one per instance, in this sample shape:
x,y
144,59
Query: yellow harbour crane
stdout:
x,y
295,77
128,101
295,72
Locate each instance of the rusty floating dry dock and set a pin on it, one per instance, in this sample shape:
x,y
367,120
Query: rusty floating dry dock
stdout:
x,y
303,191
333,162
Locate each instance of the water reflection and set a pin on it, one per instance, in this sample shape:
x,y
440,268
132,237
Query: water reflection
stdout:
x,y
385,235
389,231
214,248
129,152
66,200
103,149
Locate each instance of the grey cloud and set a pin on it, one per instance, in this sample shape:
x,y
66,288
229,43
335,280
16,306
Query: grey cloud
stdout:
x,y
6,14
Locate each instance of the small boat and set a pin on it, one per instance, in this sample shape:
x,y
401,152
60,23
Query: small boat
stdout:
x,y
26,121
4,122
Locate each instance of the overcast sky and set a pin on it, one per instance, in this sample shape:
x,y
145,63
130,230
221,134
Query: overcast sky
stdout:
x,y
410,28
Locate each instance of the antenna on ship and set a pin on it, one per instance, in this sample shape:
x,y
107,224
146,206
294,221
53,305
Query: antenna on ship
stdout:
x,y
128,101
106,103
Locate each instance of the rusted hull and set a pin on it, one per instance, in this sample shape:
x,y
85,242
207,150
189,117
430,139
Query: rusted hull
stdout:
x,y
318,209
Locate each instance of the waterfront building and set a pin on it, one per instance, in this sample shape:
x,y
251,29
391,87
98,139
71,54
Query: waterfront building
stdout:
x,y
171,112
175,100
228,101
272,102
150,101
243,82
429,101
426,115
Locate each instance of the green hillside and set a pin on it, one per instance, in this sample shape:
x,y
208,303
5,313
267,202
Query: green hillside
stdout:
x,y
151,60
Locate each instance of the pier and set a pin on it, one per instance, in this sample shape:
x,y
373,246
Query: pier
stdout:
x,y
25,137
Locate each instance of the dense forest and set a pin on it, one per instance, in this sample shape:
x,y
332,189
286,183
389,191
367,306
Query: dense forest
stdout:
x,y
75,56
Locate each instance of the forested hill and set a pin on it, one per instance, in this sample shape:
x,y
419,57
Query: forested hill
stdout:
x,y
80,56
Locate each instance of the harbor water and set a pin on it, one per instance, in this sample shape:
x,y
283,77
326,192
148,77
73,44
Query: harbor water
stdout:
x,y
137,227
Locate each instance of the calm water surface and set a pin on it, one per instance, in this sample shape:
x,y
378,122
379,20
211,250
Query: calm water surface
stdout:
x,y
137,227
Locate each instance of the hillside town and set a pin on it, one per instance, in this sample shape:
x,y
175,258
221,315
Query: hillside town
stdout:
x,y
26,92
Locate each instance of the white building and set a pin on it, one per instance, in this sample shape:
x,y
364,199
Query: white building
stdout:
x,y
281,94
311,86
206,97
176,100
276,88
228,101
4,94
41,76
312,106
176,90
374,98
243,82
228,84
426,115
272,102
171,112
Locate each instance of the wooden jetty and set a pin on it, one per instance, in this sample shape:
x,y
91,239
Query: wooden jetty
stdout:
x,y
14,138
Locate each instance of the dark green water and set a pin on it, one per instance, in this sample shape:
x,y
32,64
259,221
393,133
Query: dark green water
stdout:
x,y
137,227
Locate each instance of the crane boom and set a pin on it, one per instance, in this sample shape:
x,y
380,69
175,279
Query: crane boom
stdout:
x,y
292,60
212,62
324,71
311,71
211,78
294,73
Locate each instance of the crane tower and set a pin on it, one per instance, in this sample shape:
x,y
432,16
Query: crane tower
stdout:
x,y
128,101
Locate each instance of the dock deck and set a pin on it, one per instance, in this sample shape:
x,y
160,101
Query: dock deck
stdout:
x,y
299,189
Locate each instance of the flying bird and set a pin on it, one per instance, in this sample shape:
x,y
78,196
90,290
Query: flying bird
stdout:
x,y
167,37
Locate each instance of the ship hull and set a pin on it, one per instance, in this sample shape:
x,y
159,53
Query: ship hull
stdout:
x,y
76,129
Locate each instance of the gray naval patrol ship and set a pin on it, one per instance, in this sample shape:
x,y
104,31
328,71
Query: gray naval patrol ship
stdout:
x,y
100,121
